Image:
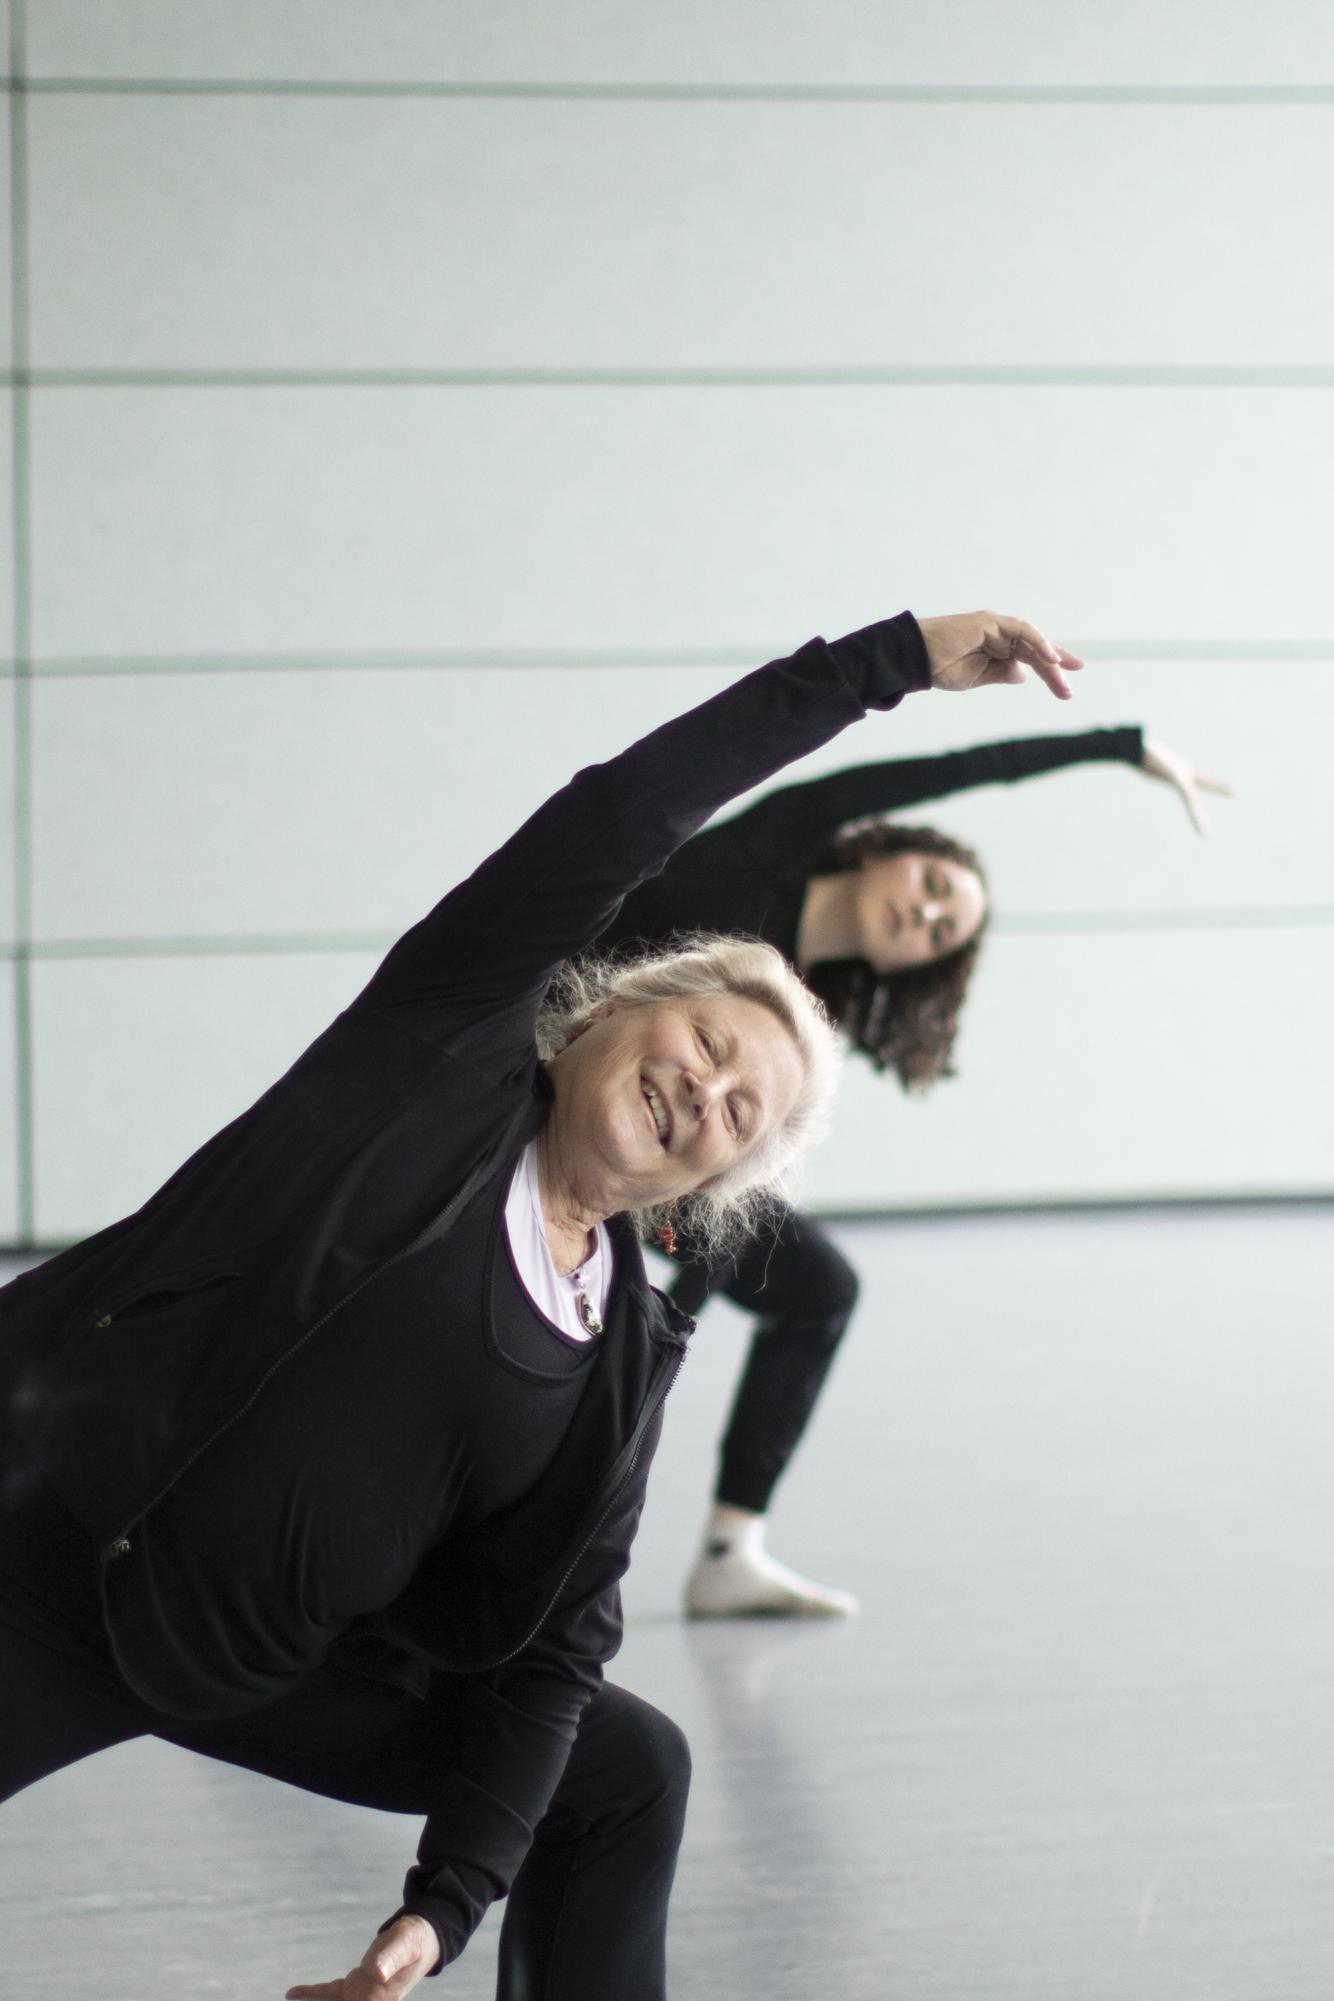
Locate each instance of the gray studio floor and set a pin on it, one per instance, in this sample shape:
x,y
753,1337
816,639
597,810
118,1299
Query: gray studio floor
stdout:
x,y
1079,1744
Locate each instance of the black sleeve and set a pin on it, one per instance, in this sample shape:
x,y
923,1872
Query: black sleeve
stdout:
x,y
790,824
489,948
516,1728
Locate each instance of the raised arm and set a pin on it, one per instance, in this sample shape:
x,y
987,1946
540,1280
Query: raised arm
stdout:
x,y
796,820
493,942
490,946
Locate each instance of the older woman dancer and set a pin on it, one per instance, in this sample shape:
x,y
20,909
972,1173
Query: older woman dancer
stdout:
x,y
884,922
327,1462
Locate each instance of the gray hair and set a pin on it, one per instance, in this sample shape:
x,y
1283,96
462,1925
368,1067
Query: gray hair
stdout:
x,y
699,965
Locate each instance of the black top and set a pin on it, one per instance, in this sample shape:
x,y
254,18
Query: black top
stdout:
x,y
750,873
137,1354
318,1506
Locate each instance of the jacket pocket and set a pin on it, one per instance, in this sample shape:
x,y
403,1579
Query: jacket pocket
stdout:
x,y
151,1295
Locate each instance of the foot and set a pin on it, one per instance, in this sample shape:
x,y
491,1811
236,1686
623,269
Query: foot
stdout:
x,y
738,1579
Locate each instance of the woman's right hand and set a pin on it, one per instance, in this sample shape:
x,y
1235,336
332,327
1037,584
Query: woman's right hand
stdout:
x,y
988,649
393,1963
1161,762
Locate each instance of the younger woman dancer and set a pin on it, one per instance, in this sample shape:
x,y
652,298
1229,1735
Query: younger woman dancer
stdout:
x,y
884,922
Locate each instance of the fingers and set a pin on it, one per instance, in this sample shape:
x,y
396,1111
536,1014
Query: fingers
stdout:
x,y
1001,674
1017,636
987,649
392,1964
1024,642
1199,819
391,1951
400,1957
1161,761
1183,783
1052,677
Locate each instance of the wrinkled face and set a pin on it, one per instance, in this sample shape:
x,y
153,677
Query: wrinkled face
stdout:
x,y
912,908
657,1100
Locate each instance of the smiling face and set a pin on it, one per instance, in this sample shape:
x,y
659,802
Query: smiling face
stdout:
x,y
911,908
654,1101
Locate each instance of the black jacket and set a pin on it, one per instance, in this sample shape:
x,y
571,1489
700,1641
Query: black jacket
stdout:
x,y
135,1349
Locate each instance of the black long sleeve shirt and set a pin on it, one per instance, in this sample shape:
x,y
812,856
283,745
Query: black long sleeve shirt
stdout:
x,y
750,873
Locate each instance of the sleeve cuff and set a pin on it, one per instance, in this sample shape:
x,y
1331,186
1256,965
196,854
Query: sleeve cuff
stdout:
x,y
885,661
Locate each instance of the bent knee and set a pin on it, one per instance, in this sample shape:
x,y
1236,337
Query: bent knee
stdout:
x,y
663,1755
820,1285
841,1288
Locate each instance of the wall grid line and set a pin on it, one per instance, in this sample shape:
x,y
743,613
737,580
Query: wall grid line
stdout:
x,y
1014,923
1202,1203
1202,651
1150,375
1231,95
22,627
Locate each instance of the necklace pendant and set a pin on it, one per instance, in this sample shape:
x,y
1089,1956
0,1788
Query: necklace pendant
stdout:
x,y
586,1313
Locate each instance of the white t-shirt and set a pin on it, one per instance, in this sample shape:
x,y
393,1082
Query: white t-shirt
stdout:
x,y
555,1294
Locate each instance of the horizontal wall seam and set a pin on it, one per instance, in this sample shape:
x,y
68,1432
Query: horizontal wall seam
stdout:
x,y
296,945
311,944
1106,651
1110,94
1299,1201
909,375
1201,1202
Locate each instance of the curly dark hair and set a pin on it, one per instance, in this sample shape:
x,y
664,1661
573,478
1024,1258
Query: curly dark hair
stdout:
x,y
904,1021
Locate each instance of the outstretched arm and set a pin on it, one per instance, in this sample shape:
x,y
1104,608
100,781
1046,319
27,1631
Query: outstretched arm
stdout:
x,y
790,824
493,943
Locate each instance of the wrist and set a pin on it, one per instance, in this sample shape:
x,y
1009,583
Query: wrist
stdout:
x,y
885,661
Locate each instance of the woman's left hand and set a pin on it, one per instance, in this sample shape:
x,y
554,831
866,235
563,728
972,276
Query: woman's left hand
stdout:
x,y
392,1965
1160,761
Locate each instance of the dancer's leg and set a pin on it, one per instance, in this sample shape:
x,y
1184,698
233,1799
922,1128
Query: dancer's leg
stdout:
x,y
804,1291
587,1914
587,1917
588,1909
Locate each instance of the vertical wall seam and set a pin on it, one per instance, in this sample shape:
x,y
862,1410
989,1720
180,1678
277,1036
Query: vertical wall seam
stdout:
x,y
24,1137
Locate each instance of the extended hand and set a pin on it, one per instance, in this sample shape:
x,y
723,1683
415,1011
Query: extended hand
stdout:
x,y
1177,771
981,649
393,1964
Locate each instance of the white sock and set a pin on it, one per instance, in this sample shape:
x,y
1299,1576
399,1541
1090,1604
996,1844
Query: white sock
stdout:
x,y
735,1577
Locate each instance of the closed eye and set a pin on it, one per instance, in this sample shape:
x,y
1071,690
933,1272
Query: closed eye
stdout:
x,y
734,1114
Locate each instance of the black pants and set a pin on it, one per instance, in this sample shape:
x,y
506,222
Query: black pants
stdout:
x,y
586,1917
804,1291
